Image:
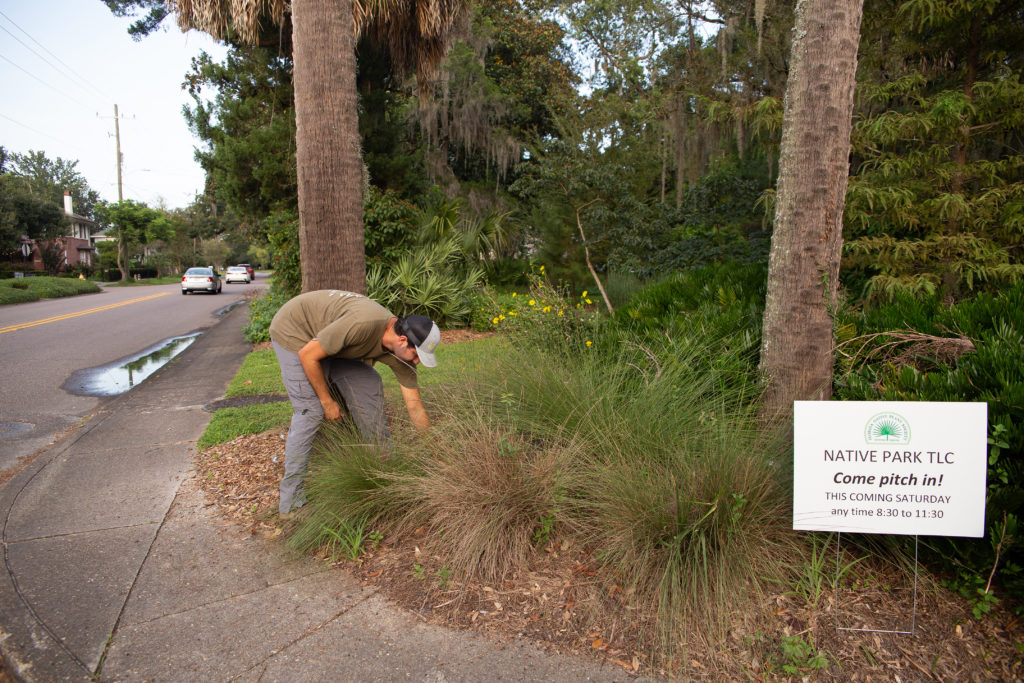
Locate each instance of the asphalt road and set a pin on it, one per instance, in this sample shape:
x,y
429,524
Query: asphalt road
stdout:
x,y
43,344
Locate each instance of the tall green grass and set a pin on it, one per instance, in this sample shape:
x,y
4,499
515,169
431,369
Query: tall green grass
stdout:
x,y
654,461
671,479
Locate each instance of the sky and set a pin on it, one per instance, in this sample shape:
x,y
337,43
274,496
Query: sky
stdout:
x,y
64,64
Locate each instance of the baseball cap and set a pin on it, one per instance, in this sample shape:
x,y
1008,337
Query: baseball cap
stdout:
x,y
424,334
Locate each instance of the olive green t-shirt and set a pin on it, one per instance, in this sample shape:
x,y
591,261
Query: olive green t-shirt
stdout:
x,y
346,324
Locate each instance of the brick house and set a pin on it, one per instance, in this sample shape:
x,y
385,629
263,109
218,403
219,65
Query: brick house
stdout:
x,y
77,245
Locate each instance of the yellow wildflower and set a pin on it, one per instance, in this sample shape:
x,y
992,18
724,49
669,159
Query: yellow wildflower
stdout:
x,y
590,343
495,321
589,301
584,295
532,302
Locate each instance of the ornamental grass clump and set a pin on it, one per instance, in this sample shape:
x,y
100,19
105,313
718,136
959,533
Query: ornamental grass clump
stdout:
x,y
672,482
348,483
482,491
648,457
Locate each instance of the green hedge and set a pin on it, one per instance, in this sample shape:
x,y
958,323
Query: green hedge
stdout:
x,y
915,370
19,290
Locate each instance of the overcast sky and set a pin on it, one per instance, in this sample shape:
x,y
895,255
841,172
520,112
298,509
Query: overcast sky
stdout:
x,y
64,64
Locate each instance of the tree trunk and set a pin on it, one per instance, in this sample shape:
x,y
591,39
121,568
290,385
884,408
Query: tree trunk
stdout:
x,y
122,257
814,165
327,154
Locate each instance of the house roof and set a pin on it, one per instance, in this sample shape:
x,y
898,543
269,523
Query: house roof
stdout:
x,y
75,218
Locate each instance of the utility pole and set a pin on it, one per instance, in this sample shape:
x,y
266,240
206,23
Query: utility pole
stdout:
x,y
121,256
117,136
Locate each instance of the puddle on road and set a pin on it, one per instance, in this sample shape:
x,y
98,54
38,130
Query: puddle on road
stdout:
x,y
120,376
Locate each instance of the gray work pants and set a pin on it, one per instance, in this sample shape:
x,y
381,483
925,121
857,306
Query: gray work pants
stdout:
x,y
363,393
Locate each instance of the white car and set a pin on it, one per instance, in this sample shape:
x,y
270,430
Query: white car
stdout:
x,y
200,280
237,274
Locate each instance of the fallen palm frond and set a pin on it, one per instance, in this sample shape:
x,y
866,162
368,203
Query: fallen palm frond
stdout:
x,y
902,348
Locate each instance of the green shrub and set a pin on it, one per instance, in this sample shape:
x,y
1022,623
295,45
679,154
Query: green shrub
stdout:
x,y
16,294
43,288
261,313
916,369
657,305
431,280
283,234
389,226
542,315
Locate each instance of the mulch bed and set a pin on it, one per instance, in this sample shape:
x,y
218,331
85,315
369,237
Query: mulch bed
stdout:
x,y
560,603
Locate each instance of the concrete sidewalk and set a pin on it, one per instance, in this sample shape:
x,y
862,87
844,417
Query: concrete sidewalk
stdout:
x,y
115,569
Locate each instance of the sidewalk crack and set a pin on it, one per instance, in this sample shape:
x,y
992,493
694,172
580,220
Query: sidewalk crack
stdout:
x,y
302,636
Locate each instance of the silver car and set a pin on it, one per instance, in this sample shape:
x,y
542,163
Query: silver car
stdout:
x,y
236,274
201,280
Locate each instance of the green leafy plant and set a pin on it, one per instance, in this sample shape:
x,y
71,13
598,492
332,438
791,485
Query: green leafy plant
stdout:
x,y
819,571
442,575
389,226
972,354
430,280
261,314
545,527
799,656
347,539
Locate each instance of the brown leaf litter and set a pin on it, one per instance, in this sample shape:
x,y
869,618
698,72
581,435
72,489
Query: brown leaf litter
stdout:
x,y
562,603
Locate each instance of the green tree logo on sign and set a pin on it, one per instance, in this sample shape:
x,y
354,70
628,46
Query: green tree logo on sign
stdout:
x,y
887,428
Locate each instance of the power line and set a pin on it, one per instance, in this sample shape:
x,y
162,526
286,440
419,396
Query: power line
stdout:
x,y
48,85
38,132
81,78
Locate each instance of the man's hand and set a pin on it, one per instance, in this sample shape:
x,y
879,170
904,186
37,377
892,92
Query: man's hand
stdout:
x,y
332,411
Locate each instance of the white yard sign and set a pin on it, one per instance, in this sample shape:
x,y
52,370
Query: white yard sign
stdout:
x,y
883,467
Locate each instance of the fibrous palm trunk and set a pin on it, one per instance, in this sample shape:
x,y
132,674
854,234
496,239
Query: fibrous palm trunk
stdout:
x,y
328,158
803,268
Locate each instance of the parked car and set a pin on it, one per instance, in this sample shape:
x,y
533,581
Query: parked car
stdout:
x,y
249,269
201,280
237,274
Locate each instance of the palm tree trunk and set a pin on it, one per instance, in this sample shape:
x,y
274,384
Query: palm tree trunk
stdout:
x,y
814,165
328,159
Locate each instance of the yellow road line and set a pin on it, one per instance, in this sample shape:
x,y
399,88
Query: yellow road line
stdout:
x,y
66,316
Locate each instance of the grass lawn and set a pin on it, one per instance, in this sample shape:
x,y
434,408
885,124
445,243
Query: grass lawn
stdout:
x,y
260,374
20,290
169,280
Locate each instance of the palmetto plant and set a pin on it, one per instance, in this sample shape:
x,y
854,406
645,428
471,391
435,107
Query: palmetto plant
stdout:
x,y
432,280
482,235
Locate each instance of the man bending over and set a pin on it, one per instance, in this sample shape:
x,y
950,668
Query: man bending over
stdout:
x,y
330,338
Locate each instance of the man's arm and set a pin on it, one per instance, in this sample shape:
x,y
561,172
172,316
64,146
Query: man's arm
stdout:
x,y
413,403
310,355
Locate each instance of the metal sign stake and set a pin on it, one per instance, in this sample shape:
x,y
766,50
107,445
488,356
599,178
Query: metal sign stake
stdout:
x,y
913,618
